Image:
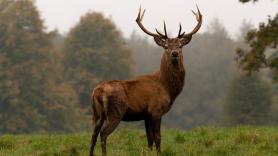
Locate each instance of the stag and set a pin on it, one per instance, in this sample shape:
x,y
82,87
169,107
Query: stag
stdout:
x,y
146,97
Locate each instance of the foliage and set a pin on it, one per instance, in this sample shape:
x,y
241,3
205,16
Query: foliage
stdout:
x,y
248,101
263,51
124,142
32,97
95,51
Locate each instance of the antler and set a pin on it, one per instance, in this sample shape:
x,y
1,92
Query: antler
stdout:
x,y
199,19
165,31
180,35
139,22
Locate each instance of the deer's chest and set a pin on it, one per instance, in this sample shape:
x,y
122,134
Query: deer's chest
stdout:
x,y
160,106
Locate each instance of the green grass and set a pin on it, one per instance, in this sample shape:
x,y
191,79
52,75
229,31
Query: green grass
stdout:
x,y
203,141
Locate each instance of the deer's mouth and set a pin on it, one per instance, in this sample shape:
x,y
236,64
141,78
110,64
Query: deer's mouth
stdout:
x,y
175,60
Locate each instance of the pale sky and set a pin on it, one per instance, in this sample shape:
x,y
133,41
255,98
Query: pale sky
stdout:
x,y
64,14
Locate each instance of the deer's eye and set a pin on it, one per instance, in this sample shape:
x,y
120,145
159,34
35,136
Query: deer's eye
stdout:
x,y
180,45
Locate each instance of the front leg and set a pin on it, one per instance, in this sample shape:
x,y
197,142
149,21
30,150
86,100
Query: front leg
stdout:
x,y
157,134
149,133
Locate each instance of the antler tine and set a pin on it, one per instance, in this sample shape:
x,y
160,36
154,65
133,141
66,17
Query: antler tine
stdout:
x,y
139,14
139,22
142,15
179,35
165,31
198,16
165,36
159,33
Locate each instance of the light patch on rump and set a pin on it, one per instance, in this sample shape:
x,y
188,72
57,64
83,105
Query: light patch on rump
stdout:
x,y
105,102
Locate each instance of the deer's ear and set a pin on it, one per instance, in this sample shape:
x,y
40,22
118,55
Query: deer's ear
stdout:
x,y
186,40
159,41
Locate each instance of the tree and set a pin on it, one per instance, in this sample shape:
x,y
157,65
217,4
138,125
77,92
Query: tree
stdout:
x,y
248,101
32,95
263,51
95,51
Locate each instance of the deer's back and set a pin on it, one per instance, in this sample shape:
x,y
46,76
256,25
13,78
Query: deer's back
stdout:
x,y
142,96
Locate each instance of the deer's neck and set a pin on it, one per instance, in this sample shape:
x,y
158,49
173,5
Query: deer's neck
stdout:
x,y
172,75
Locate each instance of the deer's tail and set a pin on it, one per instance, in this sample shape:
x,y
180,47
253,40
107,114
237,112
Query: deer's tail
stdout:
x,y
97,104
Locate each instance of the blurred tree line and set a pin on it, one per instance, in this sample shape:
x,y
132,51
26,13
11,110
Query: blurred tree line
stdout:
x,y
46,78
33,95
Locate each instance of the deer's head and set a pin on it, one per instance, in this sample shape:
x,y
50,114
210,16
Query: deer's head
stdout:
x,y
172,46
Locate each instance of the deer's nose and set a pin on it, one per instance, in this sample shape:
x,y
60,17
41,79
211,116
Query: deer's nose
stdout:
x,y
175,54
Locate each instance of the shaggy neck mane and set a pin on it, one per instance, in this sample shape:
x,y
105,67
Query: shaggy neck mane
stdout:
x,y
172,75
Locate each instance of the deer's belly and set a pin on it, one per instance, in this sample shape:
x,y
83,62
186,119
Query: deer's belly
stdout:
x,y
134,116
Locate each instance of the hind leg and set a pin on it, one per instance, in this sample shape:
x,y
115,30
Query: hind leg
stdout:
x,y
114,112
98,125
109,127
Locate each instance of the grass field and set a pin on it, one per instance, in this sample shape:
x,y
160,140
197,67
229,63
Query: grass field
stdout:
x,y
203,141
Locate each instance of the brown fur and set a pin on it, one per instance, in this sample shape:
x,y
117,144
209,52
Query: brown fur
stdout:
x,y
146,97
